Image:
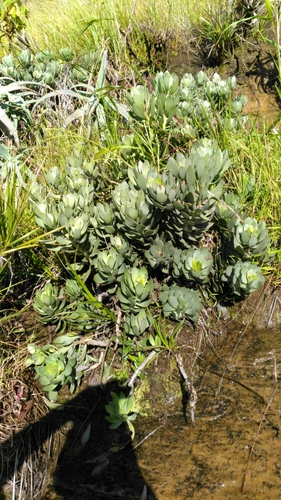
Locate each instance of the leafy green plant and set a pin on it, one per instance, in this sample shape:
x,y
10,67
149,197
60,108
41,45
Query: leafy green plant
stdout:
x,y
195,264
71,85
59,364
48,302
217,32
242,279
13,16
120,410
14,109
251,238
48,68
166,235
71,306
177,111
180,302
110,268
136,324
18,235
164,335
136,217
135,288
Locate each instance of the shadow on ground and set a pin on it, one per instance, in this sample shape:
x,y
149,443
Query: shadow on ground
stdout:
x,y
103,468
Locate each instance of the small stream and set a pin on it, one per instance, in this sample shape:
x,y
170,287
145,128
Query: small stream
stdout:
x,y
234,450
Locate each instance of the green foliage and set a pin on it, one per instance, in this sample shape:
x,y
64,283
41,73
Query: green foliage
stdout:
x,y
251,238
13,16
135,216
180,302
164,336
71,306
272,18
135,288
120,410
228,210
56,82
165,235
160,254
14,109
47,67
47,303
178,111
18,236
242,279
136,324
218,33
189,234
195,264
110,268
59,364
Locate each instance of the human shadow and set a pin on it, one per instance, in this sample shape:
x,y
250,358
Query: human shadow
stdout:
x,y
100,465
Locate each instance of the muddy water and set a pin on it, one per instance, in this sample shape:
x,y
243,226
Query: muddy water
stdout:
x,y
234,451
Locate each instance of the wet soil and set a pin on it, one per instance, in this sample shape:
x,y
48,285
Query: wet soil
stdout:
x,y
234,450
252,65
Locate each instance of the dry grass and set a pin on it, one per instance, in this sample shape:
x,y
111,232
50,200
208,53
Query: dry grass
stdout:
x,y
24,457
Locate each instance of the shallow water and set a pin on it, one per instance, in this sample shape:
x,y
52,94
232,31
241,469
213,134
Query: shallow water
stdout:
x,y
234,450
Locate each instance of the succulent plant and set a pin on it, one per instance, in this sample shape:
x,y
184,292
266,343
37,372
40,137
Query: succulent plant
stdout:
x,y
137,324
166,84
54,373
73,289
161,189
76,227
54,178
139,101
143,175
67,54
84,316
123,247
45,216
186,227
250,238
25,58
69,207
110,268
158,108
228,212
58,364
49,302
160,254
241,279
180,302
103,220
136,218
120,410
206,101
134,290
202,168
195,264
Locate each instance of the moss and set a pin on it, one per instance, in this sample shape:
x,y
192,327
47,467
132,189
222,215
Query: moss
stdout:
x,y
159,387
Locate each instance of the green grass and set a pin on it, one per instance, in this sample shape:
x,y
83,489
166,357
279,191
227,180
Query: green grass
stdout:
x,y
256,176
84,25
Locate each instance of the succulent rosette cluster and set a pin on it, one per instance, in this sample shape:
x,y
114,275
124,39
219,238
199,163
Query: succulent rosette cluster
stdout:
x,y
180,302
166,236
